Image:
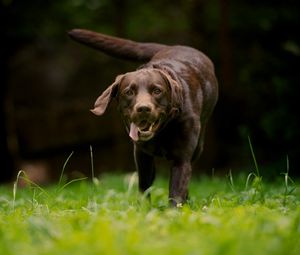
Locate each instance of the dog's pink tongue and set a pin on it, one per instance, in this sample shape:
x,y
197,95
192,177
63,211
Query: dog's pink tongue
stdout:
x,y
134,132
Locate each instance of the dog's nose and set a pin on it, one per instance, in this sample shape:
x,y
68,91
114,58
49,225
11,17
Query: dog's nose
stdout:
x,y
143,109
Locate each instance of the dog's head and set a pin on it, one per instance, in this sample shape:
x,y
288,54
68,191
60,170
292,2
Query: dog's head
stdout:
x,y
146,98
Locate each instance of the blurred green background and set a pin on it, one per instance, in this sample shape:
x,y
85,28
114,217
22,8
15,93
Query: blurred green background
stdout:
x,y
49,83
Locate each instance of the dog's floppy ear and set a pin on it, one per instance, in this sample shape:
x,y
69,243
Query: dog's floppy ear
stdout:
x,y
176,91
105,98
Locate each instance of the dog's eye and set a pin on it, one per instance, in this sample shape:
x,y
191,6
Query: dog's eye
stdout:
x,y
157,91
129,92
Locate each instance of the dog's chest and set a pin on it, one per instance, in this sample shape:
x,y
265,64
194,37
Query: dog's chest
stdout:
x,y
165,144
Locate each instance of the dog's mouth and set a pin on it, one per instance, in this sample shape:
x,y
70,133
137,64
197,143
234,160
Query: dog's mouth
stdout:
x,y
144,130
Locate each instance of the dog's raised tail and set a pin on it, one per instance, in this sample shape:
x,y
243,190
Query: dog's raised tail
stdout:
x,y
117,47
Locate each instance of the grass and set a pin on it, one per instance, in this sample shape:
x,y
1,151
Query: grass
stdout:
x,y
236,215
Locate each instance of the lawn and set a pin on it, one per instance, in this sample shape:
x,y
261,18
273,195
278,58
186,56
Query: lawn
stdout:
x,y
230,215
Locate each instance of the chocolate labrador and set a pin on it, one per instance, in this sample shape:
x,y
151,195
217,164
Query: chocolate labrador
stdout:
x,y
165,104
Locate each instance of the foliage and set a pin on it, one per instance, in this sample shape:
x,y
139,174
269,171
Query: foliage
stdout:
x,y
109,216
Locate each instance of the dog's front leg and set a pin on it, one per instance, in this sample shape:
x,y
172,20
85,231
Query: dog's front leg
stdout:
x,y
180,176
145,167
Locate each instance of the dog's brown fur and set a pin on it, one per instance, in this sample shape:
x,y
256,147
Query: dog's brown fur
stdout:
x,y
165,104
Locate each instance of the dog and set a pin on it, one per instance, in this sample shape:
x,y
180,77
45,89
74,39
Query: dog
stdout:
x,y
165,104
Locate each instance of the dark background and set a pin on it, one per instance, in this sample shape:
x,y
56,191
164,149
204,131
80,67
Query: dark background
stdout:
x,y
49,83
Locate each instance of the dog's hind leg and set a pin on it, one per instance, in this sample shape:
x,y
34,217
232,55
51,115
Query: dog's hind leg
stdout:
x,y
180,176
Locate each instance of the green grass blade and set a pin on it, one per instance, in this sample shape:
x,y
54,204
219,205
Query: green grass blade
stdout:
x,y
231,182
253,157
63,169
68,183
92,162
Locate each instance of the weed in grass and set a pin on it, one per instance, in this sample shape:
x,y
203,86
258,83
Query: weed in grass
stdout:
x,y
32,186
62,186
231,182
253,189
132,180
255,178
253,157
63,169
38,190
288,189
92,162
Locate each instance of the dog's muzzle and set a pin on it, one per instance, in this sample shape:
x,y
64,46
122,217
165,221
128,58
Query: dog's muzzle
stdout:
x,y
143,130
